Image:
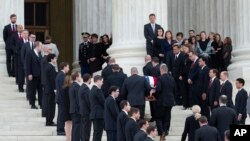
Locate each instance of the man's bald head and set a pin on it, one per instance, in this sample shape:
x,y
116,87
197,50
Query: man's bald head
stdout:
x,y
134,71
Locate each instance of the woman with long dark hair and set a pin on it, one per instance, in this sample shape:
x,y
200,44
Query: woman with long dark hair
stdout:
x,y
159,45
226,53
219,51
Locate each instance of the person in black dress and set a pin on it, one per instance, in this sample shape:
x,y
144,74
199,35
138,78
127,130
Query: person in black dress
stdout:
x,y
95,63
191,124
168,48
226,53
219,58
67,117
159,45
105,45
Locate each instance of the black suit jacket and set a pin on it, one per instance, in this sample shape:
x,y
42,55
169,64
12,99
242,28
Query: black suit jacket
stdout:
x,y
134,89
83,96
207,133
73,98
241,103
121,123
84,53
222,117
7,34
165,88
44,64
194,71
111,112
140,136
191,125
50,74
106,72
97,101
131,129
59,87
176,65
213,92
147,69
14,41
33,64
155,71
149,34
26,48
115,79
227,89
203,80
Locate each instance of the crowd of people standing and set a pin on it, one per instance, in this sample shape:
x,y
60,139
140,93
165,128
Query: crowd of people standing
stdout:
x,y
177,72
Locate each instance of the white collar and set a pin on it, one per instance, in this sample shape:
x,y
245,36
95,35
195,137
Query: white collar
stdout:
x,y
151,137
125,112
36,52
133,119
213,78
203,67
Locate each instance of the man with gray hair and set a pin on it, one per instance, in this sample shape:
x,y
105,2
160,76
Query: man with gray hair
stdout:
x,y
223,116
165,90
135,88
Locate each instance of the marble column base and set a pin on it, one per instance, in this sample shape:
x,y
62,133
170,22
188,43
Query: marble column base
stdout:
x,y
240,66
129,55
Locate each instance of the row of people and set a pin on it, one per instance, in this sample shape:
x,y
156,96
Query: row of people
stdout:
x,y
159,44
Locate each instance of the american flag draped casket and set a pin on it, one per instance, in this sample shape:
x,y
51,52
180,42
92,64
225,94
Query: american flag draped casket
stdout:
x,y
152,81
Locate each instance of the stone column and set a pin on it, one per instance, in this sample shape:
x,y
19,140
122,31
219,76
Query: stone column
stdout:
x,y
240,66
128,19
7,8
93,16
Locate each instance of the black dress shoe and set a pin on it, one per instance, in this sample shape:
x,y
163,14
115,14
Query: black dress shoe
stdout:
x,y
34,107
61,134
50,124
21,90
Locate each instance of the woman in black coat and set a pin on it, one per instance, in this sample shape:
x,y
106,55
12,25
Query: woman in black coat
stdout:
x,y
67,117
191,124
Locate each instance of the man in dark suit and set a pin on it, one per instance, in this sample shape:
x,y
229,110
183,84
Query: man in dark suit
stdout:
x,y
8,31
64,69
50,88
176,63
206,132
150,33
132,127
84,53
97,101
148,66
111,112
193,78
15,38
74,106
203,80
152,132
213,91
223,116
44,63
115,79
226,88
33,71
165,90
154,72
241,101
83,95
134,89
27,47
141,135
20,63
122,120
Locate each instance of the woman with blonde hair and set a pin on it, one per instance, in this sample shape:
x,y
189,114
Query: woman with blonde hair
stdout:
x,y
191,124
67,117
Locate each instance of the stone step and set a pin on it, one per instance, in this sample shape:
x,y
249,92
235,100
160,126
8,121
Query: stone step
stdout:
x,y
32,138
22,119
29,133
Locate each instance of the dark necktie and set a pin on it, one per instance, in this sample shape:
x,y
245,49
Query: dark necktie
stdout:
x,y
210,83
32,45
222,85
13,28
175,57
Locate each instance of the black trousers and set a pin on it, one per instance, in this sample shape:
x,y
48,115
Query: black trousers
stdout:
x,y
205,110
186,98
60,118
10,61
35,85
163,119
98,129
44,103
111,135
142,110
152,105
50,108
20,72
150,49
85,128
76,126
179,91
